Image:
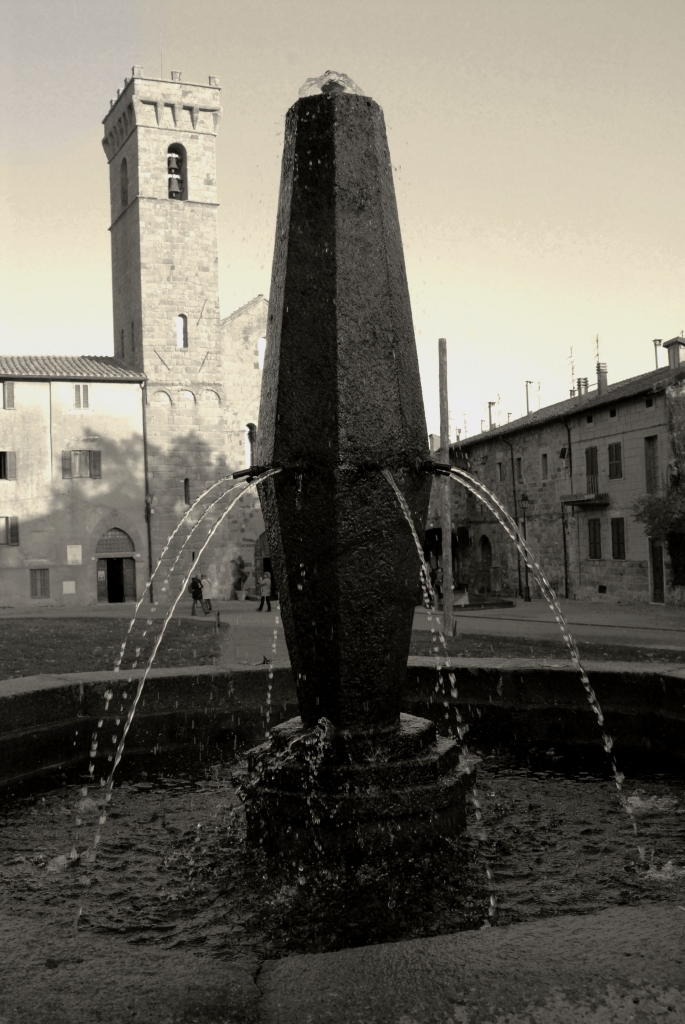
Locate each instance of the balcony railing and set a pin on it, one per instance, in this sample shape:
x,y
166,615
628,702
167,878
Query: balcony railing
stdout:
x,y
591,484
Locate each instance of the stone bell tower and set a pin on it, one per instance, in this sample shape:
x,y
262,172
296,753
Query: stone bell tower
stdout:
x,y
160,141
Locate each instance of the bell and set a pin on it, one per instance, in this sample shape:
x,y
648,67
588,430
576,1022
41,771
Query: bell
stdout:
x,y
173,161
174,186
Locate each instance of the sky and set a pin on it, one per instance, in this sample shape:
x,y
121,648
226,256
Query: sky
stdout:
x,y
537,145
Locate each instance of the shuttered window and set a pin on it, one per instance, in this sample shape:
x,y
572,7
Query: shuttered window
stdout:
x,y
81,397
81,464
8,394
8,465
618,538
40,582
615,462
594,538
9,530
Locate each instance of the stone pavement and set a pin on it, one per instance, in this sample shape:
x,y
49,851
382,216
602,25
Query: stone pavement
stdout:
x,y
647,625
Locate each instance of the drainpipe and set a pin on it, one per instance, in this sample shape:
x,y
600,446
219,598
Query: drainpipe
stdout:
x,y
148,497
563,516
516,512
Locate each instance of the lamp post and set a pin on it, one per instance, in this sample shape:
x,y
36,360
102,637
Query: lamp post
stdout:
x,y
525,502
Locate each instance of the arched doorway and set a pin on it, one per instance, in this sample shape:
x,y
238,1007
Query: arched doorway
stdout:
x,y
262,562
116,568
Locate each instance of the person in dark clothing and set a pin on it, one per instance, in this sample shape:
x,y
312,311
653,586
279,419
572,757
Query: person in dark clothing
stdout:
x,y
195,591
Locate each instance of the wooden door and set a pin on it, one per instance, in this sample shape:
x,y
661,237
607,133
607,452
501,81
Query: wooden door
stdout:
x,y
102,579
129,579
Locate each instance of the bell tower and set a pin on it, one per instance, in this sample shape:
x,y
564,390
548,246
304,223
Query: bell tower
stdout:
x,y
160,142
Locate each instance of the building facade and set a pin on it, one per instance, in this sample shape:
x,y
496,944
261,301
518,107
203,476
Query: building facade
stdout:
x,y
171,414
569,474
72,481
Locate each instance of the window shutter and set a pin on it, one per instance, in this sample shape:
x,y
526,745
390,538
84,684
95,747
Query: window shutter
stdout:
x,y
77,396
96,465
14,530
85,396
66,465
8,389
11,465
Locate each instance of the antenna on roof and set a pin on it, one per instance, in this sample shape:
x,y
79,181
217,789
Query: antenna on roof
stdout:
x,y
571,360
597,349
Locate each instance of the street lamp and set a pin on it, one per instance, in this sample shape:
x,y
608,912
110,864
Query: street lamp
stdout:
x,y
524,503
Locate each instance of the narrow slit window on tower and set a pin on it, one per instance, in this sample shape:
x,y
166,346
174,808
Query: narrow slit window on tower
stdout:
x,y
123,181
186,491
182,331
261,350
123,344
133,338
176,172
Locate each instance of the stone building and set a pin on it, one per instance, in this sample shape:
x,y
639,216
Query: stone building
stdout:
x,y
573,471
196,377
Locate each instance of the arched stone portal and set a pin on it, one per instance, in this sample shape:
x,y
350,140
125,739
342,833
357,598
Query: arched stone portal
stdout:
x,y
116,568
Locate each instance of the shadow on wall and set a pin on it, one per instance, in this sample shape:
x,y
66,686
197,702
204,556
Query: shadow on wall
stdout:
x,y
97,495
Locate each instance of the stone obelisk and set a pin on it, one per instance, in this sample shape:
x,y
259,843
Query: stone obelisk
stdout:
x,y
341,402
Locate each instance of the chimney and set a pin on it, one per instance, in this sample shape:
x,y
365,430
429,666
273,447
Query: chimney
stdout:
x,y
602,382
175,76
136,71
676,352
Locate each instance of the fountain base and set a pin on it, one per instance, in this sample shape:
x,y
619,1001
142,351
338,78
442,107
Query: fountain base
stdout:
x,y
323,792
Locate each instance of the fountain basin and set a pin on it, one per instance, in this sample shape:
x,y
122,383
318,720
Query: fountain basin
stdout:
x,y
47,721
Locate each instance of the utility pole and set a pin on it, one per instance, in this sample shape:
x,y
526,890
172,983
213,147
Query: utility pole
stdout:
x,y
527,399
446,504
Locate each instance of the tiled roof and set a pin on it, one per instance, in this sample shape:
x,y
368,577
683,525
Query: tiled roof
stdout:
x,y
67,368
645,383
241,309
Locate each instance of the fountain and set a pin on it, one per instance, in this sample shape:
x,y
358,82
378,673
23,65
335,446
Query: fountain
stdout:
x,y
343,480
341,406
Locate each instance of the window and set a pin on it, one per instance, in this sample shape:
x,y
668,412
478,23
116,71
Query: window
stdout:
x,y
591,471
543,465
500,472
519,470
176,172
8,394
588,419
8,465
81,396
594,538
651,464
612,413
186,491
618,538
563,453
81,464
40,582
181,331
133,338
114,540
615,462
9,530
123,182
123,349
649,403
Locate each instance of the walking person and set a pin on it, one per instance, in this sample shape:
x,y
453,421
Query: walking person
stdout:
x,y
265,591
195,591
207,594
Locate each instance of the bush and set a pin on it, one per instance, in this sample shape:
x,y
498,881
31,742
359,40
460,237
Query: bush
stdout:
x,y
663,515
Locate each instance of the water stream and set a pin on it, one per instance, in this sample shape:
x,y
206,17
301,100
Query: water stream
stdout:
x,y
490,500
141,683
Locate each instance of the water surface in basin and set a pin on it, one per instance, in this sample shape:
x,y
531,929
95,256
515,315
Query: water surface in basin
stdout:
x,y
174,869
